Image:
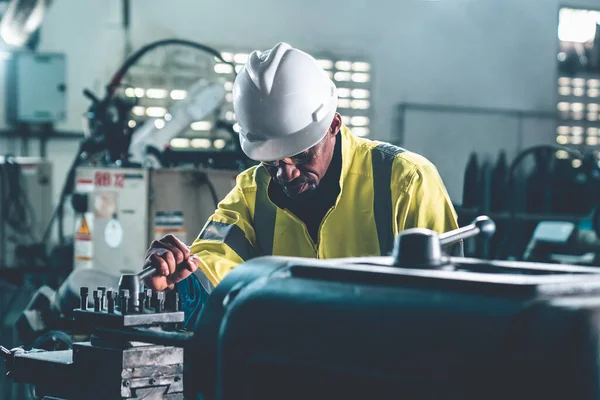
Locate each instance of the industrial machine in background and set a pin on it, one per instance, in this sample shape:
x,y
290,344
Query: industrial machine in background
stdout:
x,y
121,210
416,324
25,212
546,203
134,188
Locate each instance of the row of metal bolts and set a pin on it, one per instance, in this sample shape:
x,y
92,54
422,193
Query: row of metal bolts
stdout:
x,y
126,303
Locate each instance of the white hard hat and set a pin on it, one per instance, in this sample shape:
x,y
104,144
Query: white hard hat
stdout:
x,y
284,102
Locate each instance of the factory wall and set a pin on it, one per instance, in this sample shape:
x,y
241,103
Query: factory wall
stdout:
x,y
486,53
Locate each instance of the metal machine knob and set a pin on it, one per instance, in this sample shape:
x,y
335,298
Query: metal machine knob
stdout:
x,y
418,248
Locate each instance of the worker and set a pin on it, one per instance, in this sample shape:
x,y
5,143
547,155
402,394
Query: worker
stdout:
x,y
318,190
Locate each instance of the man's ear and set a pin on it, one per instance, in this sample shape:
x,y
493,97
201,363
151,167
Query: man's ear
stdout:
x,y
336,124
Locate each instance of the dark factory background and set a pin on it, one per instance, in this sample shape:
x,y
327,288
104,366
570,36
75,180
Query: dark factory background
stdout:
x,y
503,97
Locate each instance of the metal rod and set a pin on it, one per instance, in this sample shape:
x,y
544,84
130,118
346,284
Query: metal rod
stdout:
x,y
459,234
477,110
177,339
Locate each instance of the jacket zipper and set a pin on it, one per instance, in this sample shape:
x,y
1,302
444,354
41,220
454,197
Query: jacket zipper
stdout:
x,y
319,230
306,234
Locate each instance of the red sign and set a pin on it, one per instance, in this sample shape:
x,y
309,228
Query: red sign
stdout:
x,y
108,179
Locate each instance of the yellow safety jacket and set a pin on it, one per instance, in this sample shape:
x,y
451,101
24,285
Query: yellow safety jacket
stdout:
x,y
384,189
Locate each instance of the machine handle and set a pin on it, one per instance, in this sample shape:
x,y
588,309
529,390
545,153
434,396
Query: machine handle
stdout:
x,y
481,225
145,273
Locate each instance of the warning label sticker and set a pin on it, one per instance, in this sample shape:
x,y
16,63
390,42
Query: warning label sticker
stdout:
x,y
83,246
169,222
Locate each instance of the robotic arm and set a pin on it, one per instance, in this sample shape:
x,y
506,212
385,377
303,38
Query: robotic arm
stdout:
x,y
203,98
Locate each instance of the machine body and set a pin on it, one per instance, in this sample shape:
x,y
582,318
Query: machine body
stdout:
x,y
374,327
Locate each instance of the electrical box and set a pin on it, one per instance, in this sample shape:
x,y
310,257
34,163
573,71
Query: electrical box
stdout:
x,y
36,88
25,206
120,211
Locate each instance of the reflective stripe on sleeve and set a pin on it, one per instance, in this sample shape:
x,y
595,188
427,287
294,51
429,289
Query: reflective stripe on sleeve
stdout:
x,y
230,234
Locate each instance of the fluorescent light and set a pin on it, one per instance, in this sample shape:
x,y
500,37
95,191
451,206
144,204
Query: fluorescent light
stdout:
x,y
237,128
201,143
563,81
562,139
577,130
563,130
130,92
139,92
359,121
561,154
139,111
578,26
178,94
131,123
576,140
219,144
344,103
223,69
564,90
360,93
229,116
241,58
578,82
201,126
360,104
577,116
593,131
576,163
343,92
342,76
159,123
343,65
180,142
563,106
156,112
591,141
227,56
593,92
229,97
156,93
325,64
228,86
345,119
593,83
578,91
360,77
361,66
593,107
576,107
168,117
593,116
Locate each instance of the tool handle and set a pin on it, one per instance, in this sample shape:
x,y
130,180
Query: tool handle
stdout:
x,y
480,226
146,272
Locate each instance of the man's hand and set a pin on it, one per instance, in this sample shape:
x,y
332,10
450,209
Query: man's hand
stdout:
x,y
172,260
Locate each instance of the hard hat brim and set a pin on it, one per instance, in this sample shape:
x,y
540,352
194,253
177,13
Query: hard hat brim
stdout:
x,y
288,146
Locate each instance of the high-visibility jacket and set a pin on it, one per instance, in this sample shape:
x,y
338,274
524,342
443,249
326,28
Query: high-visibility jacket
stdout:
x,y
384,189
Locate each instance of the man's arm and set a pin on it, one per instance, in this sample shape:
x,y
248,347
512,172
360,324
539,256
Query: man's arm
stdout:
x,y
227,239
423,202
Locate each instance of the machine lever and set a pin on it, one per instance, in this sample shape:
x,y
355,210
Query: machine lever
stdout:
x,y
481,225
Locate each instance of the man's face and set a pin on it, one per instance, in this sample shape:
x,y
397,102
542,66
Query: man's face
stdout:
x,y
301,174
